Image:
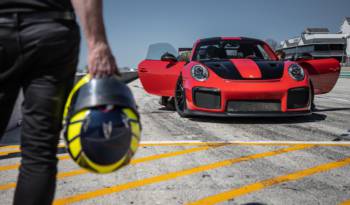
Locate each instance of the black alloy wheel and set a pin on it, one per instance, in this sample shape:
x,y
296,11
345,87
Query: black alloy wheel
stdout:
x,y
180,98
312,101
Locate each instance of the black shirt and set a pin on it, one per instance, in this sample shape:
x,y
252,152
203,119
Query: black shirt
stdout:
x,y
10,6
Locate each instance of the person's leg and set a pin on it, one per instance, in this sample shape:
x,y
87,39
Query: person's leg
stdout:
x,y
42,115
46,83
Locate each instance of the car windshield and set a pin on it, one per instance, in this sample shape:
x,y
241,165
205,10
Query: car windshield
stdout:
x,y
230,49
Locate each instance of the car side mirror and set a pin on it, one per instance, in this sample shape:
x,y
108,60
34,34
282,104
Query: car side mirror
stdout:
x,y
304,56
168,57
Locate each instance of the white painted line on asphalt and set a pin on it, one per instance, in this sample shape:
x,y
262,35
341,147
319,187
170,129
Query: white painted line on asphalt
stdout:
x,y
198,142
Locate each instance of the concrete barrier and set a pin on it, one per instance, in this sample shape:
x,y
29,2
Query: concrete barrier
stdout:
x,y
345,74
127,77
16,117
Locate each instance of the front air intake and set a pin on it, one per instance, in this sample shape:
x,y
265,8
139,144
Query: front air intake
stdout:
x,y
298,98
209,98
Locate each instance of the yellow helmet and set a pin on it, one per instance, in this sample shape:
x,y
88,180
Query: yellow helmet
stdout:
x,y
101,125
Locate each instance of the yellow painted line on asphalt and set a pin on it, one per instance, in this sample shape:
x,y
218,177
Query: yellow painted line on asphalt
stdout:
x,y
7,186
174,175
17,147
345,203
209,143
218,143
72,173
4,153
9,167
9,147
13,149
206,143
65,157
16,166
141,160
234,193
172,154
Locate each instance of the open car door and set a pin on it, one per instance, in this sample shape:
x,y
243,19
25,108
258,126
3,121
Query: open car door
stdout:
x,y
160,71
324,73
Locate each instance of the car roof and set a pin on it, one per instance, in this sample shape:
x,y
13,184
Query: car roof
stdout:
x,y
226,38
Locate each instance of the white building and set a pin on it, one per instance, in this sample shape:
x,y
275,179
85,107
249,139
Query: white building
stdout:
x,y
345,29
318,42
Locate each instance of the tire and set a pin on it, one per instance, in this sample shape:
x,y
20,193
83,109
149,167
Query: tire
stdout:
x,y
163,101
312,101
171,104
167,102
180,99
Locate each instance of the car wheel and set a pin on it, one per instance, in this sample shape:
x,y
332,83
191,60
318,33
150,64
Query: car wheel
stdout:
x,y
313,106
167,102
180,98
171,104
163,100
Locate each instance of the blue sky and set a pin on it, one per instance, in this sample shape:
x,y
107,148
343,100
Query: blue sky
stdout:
x,y
132,25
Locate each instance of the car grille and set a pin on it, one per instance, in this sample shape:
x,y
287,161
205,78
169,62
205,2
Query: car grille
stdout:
x,y
254,106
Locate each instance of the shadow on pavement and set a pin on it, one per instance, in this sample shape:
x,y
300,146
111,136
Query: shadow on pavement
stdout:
x,y
332,109
315,117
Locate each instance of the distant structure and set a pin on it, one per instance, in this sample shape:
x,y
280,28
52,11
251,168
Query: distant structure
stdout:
x,y
320,43
126,69
345,29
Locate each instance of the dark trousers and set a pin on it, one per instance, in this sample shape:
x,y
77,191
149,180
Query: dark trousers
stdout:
x,y
39,56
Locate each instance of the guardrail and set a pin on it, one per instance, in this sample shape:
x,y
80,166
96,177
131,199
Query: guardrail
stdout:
x,y
345,74
127,77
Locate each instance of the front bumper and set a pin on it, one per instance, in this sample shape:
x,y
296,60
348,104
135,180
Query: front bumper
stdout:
x,y
247,114
250,99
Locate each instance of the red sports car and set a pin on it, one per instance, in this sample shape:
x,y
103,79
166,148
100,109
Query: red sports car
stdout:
x,y
238,76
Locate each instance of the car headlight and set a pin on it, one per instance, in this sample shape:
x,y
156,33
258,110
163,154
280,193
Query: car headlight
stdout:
x,y
296,72
199,73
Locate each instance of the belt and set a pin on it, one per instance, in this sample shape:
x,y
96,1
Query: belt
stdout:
x,y
36,16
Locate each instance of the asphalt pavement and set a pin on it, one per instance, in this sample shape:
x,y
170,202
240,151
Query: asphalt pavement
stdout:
x,y
301,160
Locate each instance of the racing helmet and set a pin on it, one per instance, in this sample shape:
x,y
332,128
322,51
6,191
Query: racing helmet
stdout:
x,y
101,125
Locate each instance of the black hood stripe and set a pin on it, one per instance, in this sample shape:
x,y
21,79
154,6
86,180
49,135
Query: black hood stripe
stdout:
x,y
271,69
227,70
224,68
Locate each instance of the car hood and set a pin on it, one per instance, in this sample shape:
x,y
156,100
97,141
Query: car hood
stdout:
x,y
246,69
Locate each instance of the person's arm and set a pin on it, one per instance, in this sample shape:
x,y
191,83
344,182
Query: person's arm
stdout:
x,y
101,61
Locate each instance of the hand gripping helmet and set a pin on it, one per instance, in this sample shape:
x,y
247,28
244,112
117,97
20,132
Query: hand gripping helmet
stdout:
x,y
101,125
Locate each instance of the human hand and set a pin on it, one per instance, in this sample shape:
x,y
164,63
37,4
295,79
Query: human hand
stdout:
x,y
101,62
